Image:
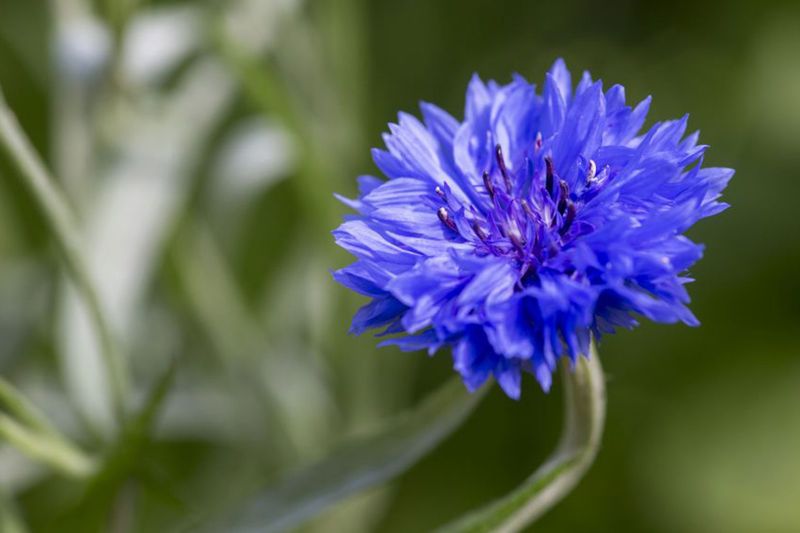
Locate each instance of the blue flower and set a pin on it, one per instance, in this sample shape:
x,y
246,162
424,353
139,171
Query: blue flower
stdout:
x,y
537,222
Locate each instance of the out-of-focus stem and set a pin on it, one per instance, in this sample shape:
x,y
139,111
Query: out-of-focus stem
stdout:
x,y
63,225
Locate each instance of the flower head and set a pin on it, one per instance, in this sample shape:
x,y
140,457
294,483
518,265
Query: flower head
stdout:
x,y
538,221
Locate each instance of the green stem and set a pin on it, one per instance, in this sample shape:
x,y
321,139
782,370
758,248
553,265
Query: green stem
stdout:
x,y
585,403
63,224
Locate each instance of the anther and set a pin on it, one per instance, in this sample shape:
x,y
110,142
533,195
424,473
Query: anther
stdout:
x,y
568,220
501,164
487,182
563,197
537,144
444,216
479,231
516,237
440,193
549,180
592,171
527,208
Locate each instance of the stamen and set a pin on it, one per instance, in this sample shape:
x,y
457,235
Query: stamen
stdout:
x,y
549,180
537,144
487,182
590,174
440,193
444,216
548,217
568,220
516,237
563,197
479,231
527,208
501,164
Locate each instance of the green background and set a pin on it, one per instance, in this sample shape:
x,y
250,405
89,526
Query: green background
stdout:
x,y
703,429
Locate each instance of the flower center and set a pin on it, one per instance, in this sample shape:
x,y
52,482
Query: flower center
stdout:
x,y
518,214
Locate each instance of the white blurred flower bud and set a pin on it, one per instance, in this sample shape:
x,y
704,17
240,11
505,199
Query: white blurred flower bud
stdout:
x,y
157,40
255,154
82,48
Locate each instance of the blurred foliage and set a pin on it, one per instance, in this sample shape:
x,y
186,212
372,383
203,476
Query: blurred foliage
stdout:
x,y
201,143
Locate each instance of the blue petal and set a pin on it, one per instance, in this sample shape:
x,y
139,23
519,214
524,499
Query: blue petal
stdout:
x,y
509,378
473,358
562,78
426,340
360,239
479,99
581,132
513,118
379,312
555,108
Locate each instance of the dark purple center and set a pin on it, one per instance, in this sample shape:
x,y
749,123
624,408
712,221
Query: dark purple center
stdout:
x,y
525,217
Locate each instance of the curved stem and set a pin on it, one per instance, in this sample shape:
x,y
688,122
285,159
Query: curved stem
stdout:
x,y
585,402
62,223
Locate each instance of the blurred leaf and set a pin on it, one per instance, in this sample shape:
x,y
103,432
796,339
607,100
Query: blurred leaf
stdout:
x,y
31,433
63,224
136,202
261,84
277,98
355,466
584,396
15,402
260,371
56,453
119,464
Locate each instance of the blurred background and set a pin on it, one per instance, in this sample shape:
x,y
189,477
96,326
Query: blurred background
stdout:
x,y
201,144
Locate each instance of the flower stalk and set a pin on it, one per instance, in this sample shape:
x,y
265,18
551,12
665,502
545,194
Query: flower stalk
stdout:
x,y
584,418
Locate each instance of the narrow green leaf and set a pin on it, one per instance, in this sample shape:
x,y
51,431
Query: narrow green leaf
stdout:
x,y
356,465
584,396
16,404
54,452
25,427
